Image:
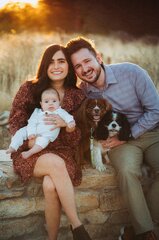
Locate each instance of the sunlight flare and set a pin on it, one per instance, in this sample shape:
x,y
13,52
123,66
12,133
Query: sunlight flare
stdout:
x,y
33,3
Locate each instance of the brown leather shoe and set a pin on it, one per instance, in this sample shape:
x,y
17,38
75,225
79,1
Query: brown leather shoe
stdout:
x,y
127,233
147,236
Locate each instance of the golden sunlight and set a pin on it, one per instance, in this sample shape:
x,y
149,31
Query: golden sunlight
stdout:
x,y
21,3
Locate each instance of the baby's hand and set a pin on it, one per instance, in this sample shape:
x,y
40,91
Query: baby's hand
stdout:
x,y
31,136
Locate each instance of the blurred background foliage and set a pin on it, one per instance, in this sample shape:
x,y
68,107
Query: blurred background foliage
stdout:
x,y
122,31
134,17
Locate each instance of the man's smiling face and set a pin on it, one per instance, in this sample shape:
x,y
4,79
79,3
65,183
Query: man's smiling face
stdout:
x,y
86,65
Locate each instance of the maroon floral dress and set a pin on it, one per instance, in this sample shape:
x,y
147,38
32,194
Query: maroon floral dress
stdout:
x,y
64,146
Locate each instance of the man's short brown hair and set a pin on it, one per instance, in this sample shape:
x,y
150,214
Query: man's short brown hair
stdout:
x,y
76,44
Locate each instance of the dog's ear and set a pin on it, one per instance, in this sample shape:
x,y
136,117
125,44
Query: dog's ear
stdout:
x,y
124,133
80,115
107,105
101,132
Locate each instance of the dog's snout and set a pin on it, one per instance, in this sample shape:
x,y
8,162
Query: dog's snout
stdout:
x,y
96,110
114,125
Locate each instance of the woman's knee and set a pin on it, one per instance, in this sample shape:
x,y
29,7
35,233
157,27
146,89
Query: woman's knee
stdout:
x,y
51,163
56,163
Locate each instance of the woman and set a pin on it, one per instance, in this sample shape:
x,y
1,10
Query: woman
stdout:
x,y
55,163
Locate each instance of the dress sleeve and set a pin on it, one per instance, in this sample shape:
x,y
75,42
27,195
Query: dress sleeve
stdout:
x,y
19,112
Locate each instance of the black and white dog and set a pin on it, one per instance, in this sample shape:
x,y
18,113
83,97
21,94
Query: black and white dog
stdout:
x,y
111,124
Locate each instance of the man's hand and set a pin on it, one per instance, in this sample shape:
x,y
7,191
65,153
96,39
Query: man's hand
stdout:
x,y
111,142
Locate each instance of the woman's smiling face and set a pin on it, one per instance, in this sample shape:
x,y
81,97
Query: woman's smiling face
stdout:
x,y
58,68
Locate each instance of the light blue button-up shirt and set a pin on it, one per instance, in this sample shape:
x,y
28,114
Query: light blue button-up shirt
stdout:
x,y
131,91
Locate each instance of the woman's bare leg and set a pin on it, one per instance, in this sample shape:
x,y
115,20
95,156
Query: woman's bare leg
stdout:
x,y
52,208
54,166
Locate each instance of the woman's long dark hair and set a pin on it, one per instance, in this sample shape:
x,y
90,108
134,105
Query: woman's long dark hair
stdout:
x,y
42,80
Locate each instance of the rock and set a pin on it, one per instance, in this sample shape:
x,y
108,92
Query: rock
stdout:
x,y
99,203
5,137
4,118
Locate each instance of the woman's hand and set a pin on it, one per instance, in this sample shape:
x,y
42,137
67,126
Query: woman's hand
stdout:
x,y
111,142
55,120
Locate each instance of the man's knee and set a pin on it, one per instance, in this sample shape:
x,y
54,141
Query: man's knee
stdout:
x,y
151,157
127,160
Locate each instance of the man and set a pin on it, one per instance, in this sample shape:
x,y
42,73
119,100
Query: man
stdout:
x,y
130,90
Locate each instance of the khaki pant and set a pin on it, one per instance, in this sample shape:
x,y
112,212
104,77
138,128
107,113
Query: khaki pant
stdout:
x,y
127,160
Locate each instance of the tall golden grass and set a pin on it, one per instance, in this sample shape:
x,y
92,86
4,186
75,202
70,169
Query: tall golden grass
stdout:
x,y
20,55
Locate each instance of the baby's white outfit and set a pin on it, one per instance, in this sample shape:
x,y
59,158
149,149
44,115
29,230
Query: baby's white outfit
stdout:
x,y
37,126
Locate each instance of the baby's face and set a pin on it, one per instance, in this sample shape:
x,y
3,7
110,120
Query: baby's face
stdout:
x,y
49,102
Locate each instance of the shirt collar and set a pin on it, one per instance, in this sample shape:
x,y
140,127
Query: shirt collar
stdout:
x,y
109,75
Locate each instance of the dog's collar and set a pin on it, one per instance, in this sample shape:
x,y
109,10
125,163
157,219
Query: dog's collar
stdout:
x,y
92,131
92,144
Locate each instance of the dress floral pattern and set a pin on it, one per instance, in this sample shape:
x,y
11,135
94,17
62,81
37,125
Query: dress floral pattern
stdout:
x,y
64,146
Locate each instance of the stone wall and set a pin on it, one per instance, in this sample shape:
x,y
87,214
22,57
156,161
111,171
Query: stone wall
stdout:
x,y
4,137
99,204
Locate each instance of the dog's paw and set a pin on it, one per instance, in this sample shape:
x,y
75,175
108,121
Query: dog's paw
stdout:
x,y
96,159
101,168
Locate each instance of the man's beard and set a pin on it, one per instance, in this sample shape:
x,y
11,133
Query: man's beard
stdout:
x,y
95,78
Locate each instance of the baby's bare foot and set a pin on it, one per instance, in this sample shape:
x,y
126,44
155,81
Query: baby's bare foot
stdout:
x,y
10,150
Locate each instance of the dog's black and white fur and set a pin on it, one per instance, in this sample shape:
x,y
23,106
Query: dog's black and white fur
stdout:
x,y
111,124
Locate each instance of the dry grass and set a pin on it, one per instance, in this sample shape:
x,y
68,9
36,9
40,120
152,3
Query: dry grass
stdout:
x,y
20,54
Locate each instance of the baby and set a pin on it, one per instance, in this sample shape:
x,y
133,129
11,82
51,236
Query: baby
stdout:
x,y
36,128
